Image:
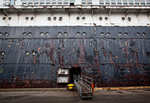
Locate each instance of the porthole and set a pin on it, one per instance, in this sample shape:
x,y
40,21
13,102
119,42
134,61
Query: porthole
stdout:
x,y
107,33
6,34
1,33
32,18
137,33
33,52
49,18
110,53
83,18
4,18
106,18
142,70
84,33
27,18
27,53
24,72
32,72
129,18
97,53
125,33
24,33
65,33
60,18
59,33
2,52
123,18
9,18
128,71
119,33
78,33
100,18
58,53
78,18
47,33
41,33
102,33
54,18
144,33
29,33
78,53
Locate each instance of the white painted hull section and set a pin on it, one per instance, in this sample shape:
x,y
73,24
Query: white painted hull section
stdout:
x,y
41,19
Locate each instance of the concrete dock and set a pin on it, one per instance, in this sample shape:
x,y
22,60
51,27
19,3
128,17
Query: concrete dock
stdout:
x,y
63,96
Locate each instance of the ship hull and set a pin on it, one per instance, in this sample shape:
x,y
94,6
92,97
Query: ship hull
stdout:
x,y
112,56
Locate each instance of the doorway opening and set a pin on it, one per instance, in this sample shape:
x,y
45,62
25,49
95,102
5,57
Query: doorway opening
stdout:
x,y
74,71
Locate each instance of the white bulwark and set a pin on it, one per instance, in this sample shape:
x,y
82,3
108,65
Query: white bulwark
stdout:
x,y
75,12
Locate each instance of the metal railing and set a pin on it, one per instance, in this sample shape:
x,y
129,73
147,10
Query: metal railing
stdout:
x,y
47,2
79,2
85,81
78,87
89,2
125,2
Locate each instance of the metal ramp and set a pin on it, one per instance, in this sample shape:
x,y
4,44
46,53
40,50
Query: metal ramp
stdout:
x,y
84,86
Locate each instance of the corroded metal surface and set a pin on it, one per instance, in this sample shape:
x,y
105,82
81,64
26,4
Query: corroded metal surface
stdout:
x,y
112,56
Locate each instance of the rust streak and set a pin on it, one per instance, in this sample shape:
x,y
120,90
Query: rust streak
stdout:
x,y
34,60
110,56
136,58
82,52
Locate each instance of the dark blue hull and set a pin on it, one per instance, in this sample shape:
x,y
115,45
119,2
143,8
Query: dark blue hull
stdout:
x,y
112,56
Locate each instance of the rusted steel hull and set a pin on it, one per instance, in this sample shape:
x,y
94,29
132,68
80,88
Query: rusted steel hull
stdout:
x,y
31,61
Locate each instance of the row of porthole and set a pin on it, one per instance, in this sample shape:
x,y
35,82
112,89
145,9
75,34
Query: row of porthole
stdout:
x,y
60,18
27,18
123,18
83,18
4,18
27,53
65,33
5,34
33,52
55,18
49,18
129,18
102,33
24,34
42,33
47,33
78,33
9,18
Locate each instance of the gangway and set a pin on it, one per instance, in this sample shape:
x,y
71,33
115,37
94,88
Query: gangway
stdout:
x,y
84,86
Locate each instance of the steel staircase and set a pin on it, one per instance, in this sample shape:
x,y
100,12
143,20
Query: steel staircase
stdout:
x,y
84,86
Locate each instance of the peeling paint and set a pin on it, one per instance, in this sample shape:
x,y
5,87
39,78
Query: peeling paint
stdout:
x,y
110,60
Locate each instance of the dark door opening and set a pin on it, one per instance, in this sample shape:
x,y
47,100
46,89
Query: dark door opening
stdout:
x,y
74,71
